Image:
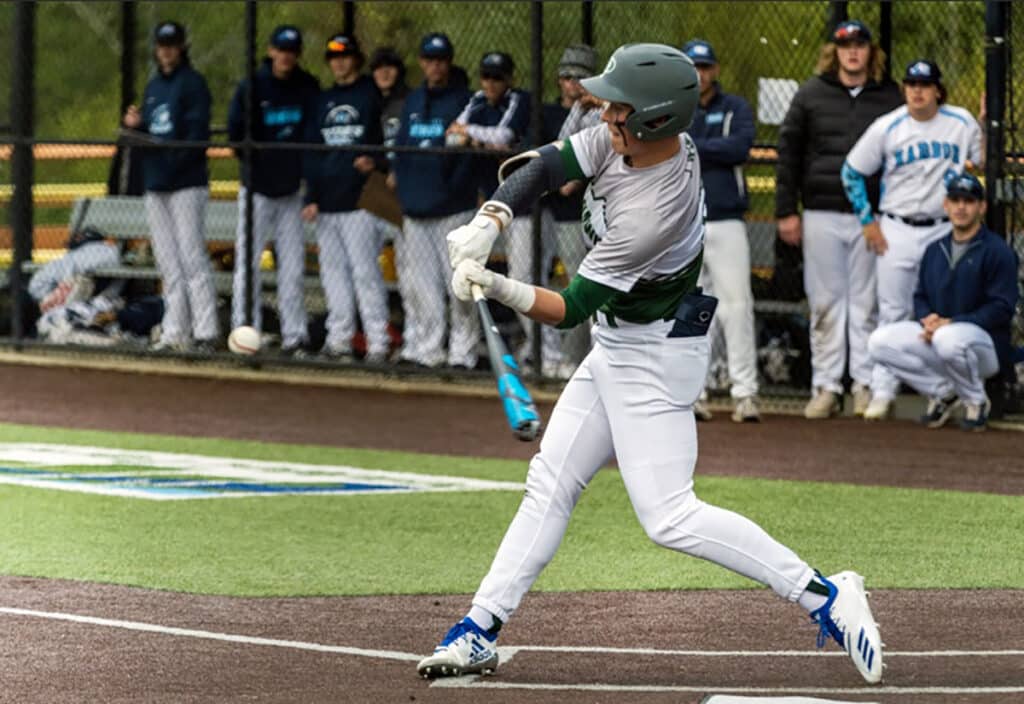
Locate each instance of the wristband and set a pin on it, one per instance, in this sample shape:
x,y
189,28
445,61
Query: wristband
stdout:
x,y
496,209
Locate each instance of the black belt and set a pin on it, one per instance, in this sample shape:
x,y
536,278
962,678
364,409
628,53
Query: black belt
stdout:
x,y
924,222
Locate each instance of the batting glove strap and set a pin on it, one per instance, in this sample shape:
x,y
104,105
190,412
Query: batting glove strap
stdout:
x,y
497,209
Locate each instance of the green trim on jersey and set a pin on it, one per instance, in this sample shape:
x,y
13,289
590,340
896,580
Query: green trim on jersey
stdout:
x,y
583,298
573,171
647,301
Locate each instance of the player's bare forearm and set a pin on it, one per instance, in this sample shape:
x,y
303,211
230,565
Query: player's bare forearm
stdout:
x,y
548,307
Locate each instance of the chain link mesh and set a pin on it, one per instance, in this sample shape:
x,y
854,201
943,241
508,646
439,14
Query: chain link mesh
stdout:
x,y
761,47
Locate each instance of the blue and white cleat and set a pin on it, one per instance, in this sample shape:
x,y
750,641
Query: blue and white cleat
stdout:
x,y
847,617
467,649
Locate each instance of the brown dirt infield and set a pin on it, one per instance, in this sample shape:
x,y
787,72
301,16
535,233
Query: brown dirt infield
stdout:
x,y
48,660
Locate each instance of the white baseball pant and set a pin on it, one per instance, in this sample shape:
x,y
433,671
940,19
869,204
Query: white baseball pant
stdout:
x,y
839,279
572,249
426,276
897,278
349,246
177,220
631,397
278,219
519,251
958,360
725,274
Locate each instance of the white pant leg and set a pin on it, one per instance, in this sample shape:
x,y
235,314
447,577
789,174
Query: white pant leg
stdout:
x,y
464,331
362,243
969,356
425,306
336,277
176,324
727,259
862,297
188,212
648,384
519,250
897,277
899,348
576,444
404,263
827,283
290,250
262,225
572,250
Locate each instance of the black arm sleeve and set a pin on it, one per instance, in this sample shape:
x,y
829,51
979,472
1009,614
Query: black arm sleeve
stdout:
x,y
528,183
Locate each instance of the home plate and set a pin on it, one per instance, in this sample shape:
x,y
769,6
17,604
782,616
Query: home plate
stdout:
x,y
730,699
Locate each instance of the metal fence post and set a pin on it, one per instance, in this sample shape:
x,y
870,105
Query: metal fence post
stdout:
x,y
22,159
885,34
127,54
537,128
248,153
995,107
587,33
349,17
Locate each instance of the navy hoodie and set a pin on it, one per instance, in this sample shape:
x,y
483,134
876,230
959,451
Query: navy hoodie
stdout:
x,y
176,106
510,116
344,115
433,185
980,289
282,114
724,132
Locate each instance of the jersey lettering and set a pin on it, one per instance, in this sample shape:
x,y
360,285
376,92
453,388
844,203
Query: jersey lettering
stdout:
x,y
927,150
595,225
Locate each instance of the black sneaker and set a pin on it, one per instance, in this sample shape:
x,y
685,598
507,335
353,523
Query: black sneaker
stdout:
x,y
940,410
336,354
976,416
296,352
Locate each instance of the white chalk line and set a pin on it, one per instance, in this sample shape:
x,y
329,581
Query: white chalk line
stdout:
x,y
508,652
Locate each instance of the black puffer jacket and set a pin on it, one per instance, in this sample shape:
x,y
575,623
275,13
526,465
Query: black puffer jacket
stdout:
x,y
823,123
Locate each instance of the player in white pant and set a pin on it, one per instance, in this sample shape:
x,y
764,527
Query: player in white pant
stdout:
x,y
963,304
632,397
427,295
278,219
918,147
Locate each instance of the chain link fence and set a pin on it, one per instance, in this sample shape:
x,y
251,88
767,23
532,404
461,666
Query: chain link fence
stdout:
x,y
86,175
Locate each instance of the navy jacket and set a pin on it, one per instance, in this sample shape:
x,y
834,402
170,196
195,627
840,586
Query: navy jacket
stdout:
x,y
176,106
282,115
343,115
981,289
724,132
509,120
433,185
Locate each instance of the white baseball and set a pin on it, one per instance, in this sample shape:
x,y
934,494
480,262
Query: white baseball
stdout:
x,y
244,340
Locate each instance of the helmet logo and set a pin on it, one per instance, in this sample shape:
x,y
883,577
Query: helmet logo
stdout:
x,y
611,65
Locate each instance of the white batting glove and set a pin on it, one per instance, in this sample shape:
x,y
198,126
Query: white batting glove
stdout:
x,y
514,294
474,241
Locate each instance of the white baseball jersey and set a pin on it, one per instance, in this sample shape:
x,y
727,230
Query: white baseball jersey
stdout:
x,y
643,226
917,158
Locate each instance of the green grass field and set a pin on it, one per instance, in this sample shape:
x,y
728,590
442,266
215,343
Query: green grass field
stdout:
x,y
443,542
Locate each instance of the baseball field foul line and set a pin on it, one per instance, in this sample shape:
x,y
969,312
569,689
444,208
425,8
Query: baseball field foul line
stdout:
x,y
476,682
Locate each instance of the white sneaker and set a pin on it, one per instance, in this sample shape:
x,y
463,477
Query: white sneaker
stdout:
x,y
466,649
824,404
846,617
861,398
878,409
746,411
701,411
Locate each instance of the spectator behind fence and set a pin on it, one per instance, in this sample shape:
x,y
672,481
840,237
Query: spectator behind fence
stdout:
x,y
176,106
284,97
963,305
827,116
918,148
575,110
723,131
346,114
388,72
437,193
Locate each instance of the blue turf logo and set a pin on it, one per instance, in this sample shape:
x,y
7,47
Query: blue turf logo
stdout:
x,y
166,475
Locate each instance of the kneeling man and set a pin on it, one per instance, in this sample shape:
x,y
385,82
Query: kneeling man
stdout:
x,y
964,302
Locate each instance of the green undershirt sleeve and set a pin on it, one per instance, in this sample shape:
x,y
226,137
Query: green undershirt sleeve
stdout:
x,y
582,299
573,172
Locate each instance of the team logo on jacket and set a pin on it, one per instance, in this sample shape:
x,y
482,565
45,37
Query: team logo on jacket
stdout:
x,y
342,126
160,121
595,225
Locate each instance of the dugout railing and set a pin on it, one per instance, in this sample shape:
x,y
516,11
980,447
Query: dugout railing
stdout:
x,y
58,101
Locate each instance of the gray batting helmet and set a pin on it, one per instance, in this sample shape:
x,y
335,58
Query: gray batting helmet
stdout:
x,y
657,80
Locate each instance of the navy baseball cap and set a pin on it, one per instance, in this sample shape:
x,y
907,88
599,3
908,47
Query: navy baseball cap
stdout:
x,y
851,31
437,45
497,64
967,186
169,34
700,52
923,71
286,38
342,44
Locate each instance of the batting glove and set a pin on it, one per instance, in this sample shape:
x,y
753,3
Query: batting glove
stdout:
x,y
514,294
474,241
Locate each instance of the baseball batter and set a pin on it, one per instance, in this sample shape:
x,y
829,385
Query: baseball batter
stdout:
x,y
632,396
919,147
